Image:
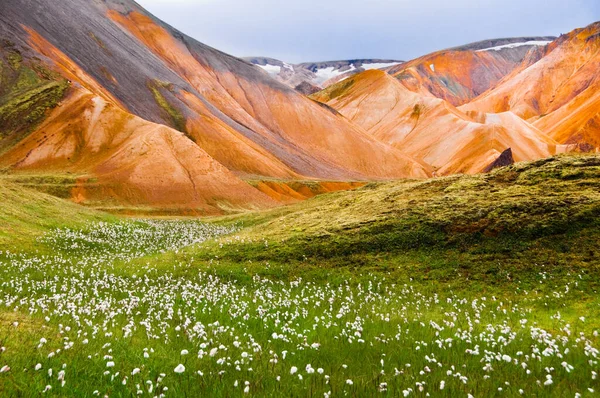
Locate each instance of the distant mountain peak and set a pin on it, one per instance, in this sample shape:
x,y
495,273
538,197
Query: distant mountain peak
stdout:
x,y
317,74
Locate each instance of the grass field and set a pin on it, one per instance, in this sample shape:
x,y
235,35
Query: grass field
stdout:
x,y
475,285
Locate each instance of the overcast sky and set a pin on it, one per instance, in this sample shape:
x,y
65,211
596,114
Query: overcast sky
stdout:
x,y
321,30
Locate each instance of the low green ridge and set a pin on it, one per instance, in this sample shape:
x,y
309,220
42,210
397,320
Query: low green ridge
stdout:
x,y
26,214
491,228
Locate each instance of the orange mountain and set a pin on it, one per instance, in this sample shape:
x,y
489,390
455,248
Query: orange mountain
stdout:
x,y
559,94
430,128
237,118
147,116
460,74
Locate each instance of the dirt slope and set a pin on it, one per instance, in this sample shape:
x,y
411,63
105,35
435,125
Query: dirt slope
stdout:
x,y
458,75
130,160
430,128
240,116
558,93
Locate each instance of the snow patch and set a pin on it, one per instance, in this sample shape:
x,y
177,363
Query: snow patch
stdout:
x,y
379,65
432,67
329,73
515,45
271,69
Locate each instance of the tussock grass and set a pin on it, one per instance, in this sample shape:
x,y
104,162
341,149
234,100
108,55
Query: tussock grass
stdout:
x,y
491,228
26,214
482,285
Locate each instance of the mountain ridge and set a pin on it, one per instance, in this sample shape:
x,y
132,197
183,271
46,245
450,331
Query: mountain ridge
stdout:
x,y
146,115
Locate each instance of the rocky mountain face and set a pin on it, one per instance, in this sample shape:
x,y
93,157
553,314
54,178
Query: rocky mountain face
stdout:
x,y
559,94
545,103
144,115
460,74
432,129
99,72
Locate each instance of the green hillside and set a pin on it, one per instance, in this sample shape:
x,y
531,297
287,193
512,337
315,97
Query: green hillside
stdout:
x,y
469,285
512,223
26,214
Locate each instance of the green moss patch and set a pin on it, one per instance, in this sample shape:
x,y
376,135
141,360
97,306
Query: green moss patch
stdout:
x,y
28,90
176,117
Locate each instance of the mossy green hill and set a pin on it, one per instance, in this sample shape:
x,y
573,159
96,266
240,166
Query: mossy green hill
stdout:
x,y
27,91
514,223
26,214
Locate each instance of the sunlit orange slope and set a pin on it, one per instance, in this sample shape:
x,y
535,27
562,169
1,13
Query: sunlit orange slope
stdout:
x,y
134,161
461,74
430,128
237,114
559,94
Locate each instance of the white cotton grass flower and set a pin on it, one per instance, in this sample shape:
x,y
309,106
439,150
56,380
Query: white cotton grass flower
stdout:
x,y
184,352
179,369
135,371
4,369
349,382
293,370
110,364
567,367
38,366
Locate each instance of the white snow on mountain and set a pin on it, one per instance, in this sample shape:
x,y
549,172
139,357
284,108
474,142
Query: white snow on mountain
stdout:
x,y
271,69
379,65
514,45
329,73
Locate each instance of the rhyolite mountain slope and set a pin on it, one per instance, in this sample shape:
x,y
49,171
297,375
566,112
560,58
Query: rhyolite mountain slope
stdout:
x,y
202,102
460,74
537,102
144,115
317,74
432,129
559,94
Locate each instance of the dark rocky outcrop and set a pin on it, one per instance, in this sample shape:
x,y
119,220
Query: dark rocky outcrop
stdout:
x,y
306,88
505,159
